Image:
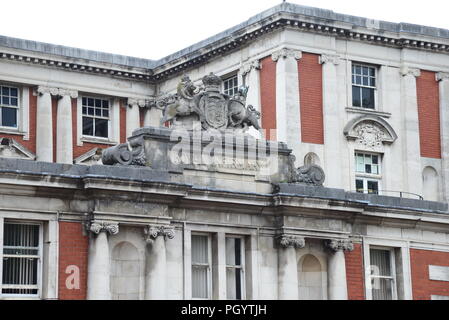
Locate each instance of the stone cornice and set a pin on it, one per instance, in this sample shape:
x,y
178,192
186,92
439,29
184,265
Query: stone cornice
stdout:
x,y
286,53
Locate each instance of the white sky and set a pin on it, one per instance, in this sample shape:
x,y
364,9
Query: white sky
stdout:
x,y
154,29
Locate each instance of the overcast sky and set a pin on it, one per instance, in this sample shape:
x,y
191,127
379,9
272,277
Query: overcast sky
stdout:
x,y
156,28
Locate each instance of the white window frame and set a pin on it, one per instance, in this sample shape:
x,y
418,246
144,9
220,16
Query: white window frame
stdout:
x,y
208,266
365,177
242,266
113,122
39,260
23,109
376,87
393,276
228,78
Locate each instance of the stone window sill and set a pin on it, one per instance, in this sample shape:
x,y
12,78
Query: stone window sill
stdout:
x,y
98,141
12,131
368,111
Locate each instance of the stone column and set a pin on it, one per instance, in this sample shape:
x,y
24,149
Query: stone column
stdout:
x,y
288,121
443,79
331,114
411,145
133,116
152,117
156,264
44,124
251,75
99,267
288,286
336,269
64,139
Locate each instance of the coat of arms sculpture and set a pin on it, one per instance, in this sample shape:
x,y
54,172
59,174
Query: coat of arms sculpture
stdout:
x,y
208,105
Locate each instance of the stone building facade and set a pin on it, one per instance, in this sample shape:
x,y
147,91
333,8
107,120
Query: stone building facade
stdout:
x,y
367,101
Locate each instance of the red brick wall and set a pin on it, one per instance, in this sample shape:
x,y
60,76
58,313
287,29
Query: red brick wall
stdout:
x,y
31,143
268,95
311,98
122,122
422,287
73,251
429,115
354,273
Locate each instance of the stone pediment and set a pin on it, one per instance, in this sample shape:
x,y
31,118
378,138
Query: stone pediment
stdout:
x,y
10,148
370,132
91,157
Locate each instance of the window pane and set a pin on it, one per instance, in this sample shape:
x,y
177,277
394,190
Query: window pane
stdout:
x,y
359,186
84,101
5,101
88,126
9,117
97,103
101,128
356,96
200,249
367,168
382,289
90,102
90,111
199,282
233,284
98,112
373,187
13,92
380,262
368,98
106,113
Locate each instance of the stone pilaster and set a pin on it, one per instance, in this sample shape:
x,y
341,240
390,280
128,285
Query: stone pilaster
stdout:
x,y
287,267
287,98
336,268
99,268
64,139
133,115
44,124
443,79
156,264
331,114
410,133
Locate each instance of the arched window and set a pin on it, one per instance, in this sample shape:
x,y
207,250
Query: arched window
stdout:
x,y
430,184
312,158
125,277
311,276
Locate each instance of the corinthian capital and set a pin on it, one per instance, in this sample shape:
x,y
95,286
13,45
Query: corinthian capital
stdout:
x,y
66,92
329,58
407,71
286,53
248,66
337,245
441,76
150,233
97,227
51,90
286,241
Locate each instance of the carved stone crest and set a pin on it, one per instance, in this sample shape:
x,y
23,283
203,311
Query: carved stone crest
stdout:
x,y
370,132
213,105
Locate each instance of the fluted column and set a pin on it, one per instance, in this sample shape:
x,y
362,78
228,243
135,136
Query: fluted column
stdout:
x,y
64,139
44,124
288,285
156,264
288,122
133,115
411,145
250,72
336,269
99,268
331,114
443,79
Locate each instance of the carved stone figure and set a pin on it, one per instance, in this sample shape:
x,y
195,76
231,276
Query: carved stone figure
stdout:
x,y
309,174
214,109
